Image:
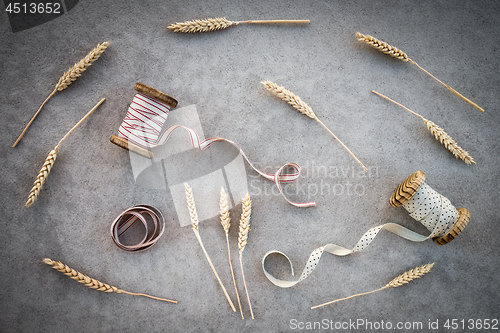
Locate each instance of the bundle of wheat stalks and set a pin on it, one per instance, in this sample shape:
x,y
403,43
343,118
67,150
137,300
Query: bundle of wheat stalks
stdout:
x,y
439,134
193,215
297,103
398,54
213,24
68,77
400,280
93,283
246,207
50,160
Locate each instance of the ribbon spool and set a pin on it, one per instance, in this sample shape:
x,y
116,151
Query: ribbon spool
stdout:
x,y
424,204
149,216
144,120
413,187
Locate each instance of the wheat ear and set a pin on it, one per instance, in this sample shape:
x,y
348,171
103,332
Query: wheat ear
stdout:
x,y
397,53
297,103
50,160
93,283
194,223
439,134
406,277
69,77
246,210
213,24
225,221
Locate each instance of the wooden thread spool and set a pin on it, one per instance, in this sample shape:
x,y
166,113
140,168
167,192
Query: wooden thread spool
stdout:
x,y
410,187
155,94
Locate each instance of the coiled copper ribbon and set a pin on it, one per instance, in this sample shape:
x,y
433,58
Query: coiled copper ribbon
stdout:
x,y
152,220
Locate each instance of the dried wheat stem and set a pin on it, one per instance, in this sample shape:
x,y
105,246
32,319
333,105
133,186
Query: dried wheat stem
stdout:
x,y
81,120
397,53
406,277
213,24
439,134
273,22
33,118
451,89
225,221
49,162
93,283
194,222
246,211
297,103
68,77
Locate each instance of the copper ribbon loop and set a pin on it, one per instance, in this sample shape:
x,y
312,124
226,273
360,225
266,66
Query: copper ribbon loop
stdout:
x,y
135,214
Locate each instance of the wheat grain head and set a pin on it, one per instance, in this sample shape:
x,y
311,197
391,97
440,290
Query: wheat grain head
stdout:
x,y
206,25
290,98
225,220
93,283
410,275
81,278
42,177
74,72
383,46
191,206
246,210
448,142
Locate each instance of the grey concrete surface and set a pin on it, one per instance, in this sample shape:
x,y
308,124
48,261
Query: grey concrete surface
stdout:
x,y
92,180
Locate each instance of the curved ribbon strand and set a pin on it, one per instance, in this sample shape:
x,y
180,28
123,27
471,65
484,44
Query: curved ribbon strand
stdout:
x,y
427,206
277,178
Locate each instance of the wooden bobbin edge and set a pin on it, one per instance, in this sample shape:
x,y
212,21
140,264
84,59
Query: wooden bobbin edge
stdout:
x,y
456,229
152,92
130,146
407,189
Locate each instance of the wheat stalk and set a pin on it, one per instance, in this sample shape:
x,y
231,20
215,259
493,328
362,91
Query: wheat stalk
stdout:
x,y
194,222
213,24
93,283
225,221
68,77
50,160
246,210
400,280
297,103
397,53
439,134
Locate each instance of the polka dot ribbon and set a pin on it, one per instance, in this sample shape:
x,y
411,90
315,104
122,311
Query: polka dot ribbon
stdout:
x,y
427,206
151,219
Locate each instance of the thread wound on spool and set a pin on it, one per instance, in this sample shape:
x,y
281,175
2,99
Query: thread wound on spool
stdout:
x,y
437,213
457,228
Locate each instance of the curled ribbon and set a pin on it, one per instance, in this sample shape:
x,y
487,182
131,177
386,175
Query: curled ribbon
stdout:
x,y
277,178
132,215
143,126
427,206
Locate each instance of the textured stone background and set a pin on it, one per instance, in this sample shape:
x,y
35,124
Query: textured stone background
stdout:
x,y
322,62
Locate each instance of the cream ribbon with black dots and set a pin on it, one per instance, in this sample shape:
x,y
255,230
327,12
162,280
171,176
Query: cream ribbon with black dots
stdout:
x,y
427,206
